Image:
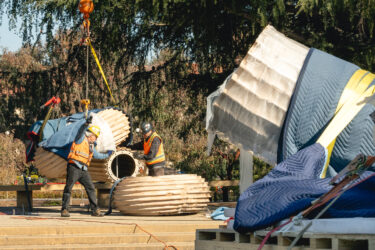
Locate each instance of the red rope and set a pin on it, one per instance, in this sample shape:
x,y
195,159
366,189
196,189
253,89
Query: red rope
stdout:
x,y
166,246
328,196
271,232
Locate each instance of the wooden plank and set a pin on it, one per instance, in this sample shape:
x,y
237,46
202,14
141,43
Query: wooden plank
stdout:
x,y
59,187
126,190
19,187
51,187
22,199
223,204
226,183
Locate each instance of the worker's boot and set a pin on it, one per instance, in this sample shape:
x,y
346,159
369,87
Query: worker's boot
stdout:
x,y
97,213
65,213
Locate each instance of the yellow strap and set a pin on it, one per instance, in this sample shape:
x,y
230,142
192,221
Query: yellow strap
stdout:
x,y
351,86
101,70
44,123
353,99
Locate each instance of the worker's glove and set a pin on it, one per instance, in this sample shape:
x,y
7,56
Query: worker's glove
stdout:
x,y
110,152
141,157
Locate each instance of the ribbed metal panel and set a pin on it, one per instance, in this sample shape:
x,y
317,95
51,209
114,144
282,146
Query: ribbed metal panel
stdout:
x,y
251,108
162,195
53,166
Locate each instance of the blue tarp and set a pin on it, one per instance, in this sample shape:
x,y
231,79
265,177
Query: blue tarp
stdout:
x,y
58,134
218,214
294,182
291,186
313,104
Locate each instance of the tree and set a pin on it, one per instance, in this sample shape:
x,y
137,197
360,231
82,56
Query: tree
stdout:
x,y
210,34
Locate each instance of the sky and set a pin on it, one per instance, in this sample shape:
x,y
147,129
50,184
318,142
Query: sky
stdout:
x,y
9,39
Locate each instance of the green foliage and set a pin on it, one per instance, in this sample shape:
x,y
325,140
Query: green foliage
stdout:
x,y
192,44
210,32
344,28
12,154
221,164
260,169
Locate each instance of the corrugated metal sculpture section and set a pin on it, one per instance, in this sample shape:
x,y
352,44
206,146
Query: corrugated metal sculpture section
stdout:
x,y
162,195
252,106
50,164
53,166
119,164
118,122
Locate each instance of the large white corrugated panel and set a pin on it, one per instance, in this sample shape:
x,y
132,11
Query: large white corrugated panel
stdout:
x,y
249,109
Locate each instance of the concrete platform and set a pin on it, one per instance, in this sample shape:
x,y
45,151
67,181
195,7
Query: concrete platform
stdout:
x,y
212,239
45,229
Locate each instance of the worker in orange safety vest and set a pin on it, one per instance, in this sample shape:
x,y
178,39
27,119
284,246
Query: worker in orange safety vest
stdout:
x,y
153,150
79,158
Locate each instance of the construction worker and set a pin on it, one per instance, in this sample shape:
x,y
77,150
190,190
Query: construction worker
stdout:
x,y
153,150
81,152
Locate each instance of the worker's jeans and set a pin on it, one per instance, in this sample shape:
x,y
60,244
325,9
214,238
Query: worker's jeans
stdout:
x,y
73,175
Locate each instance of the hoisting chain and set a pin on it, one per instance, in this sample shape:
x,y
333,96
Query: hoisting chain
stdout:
x,y
86,7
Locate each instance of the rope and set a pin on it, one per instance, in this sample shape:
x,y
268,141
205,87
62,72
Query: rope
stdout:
x,y
166,246
300,234
86,101
87,71
101,70
111,194
337,196
271,232
44,123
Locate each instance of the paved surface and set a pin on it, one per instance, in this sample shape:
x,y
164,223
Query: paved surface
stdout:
x,y
50,216
44,228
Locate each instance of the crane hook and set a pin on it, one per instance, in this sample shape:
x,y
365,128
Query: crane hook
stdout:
x,y
86,7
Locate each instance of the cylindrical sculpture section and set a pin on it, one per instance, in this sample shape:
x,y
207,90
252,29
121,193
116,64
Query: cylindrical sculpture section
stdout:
x,y
53,166
50,164
162,195
118,122
120,164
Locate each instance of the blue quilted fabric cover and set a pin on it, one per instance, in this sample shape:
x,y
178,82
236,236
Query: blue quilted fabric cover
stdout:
x,y
318,90
58,134
291,186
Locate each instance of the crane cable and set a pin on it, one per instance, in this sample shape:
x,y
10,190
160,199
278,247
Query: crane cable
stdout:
x,y
101,70
86,7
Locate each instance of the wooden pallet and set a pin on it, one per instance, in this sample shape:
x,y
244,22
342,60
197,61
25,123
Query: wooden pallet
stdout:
x,y
210,239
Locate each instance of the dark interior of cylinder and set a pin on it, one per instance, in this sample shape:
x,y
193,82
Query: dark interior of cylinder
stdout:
x,y
123,165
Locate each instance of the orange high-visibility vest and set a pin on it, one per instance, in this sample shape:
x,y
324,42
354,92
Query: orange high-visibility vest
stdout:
x,y
159,157
80,152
